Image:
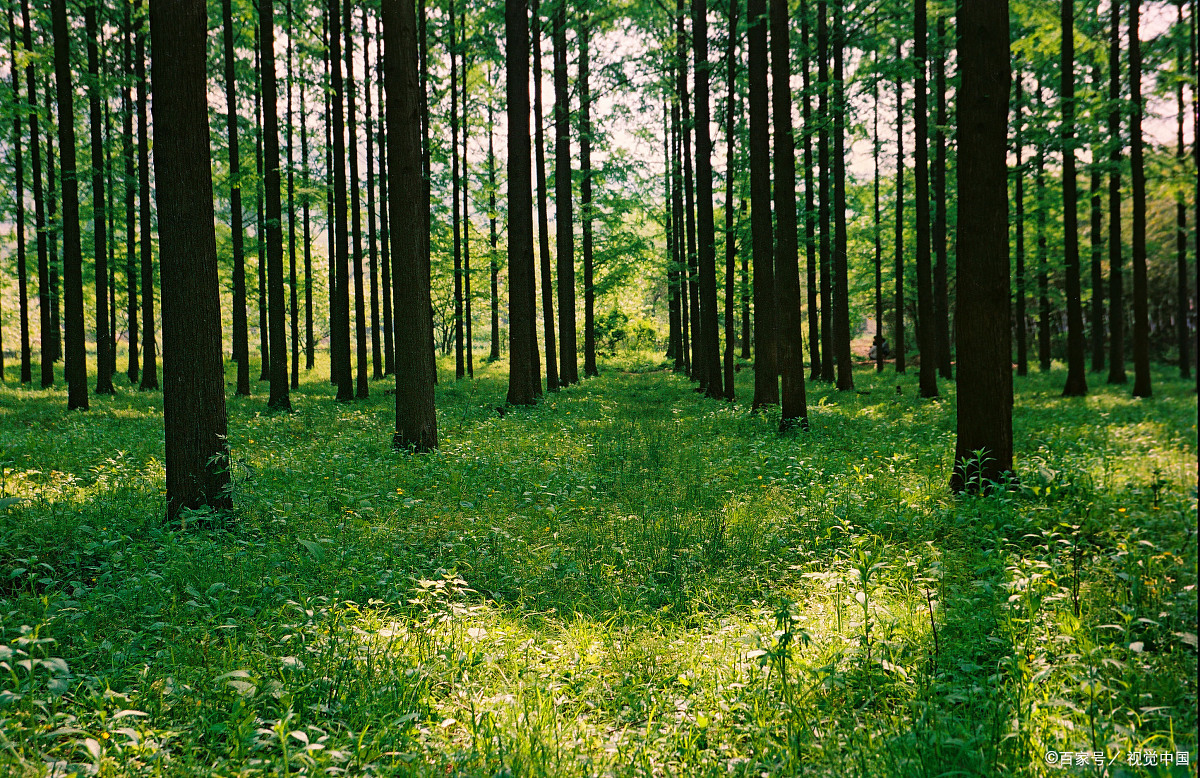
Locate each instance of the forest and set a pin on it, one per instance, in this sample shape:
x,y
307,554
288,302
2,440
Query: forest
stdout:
x,y
599,388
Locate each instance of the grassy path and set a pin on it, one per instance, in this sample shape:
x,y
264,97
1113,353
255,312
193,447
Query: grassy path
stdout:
x,y
625,580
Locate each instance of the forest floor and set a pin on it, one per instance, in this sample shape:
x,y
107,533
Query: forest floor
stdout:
x,y
627,579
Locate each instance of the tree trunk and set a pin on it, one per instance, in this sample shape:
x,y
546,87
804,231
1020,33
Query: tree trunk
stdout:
x,y
385,237
585,200
524,379
466,215
264,329
241,346
76,356
543,216
340,305
766,371
1181,234
1043,267
1116,291
494,260
197,454
926,335
731,104
810,211
293,305
56,341
679,257
372,237
941,290
1019,220
674,312
279,399
878,339
1097,237
19,197
360,312
331,222
841,282
898,330
710,343
983,451
1137,172
46,348
459,363
824,211
310,345
698,360
1076,385
416,419
568,372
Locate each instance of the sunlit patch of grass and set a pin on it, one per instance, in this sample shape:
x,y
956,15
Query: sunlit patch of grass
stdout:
x,y
625,579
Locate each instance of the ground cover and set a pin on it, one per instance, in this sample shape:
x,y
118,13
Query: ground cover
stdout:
x,y
627,579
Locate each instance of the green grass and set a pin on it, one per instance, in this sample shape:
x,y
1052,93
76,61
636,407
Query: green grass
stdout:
x,y
627,579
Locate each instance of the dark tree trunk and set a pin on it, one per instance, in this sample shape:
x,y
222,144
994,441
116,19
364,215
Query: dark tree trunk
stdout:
x,y
878,340
1076,385
194,391
241,343
426,150
568,372
293,302
524,379
372,237
824,187
731,107
56,341
264,342
790,342
941,290
279,399
1019,220
1116,290
416,419
459,363
679,257
983,452
310,345
1182,335
841,282
385,237
111,228
76,356
926,335
766,371
46,348
19,197
1137,172
698,362
360,310
331,223
543,217
709,354
810,211
466,215
585,201
1043,266
1097,238
494,259
340,294
674,312
898,330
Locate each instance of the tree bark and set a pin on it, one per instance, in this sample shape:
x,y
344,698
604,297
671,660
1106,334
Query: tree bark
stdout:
x,y
19,197
731,104
340,305
310,345
46,348
691,271
983,450
1019,220
241,346
416,419
898,331
1137,172
709,354
494,261
824,188
466,215
1116,290
372,236
585,200
543,216
941,290
360,312
810,211
1097,236
1182,335
1076,385
459,362
878,340
280,398
841,281
766,371
264,347
56,341
293,306
568,372
385,236
197,455
926,335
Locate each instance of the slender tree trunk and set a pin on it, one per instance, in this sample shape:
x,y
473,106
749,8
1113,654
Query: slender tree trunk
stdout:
x,y
56,341
926,335
941,290
360,311
194,380
675,315
130,189
19,197
459,363
1181,232
466,214
494,260
340,335
1019,200
1097,237
810,211
310,346
983,451
111,231
585,200
731,107
426,150
524,378
1043,266
331,222
1076,385
76,356
898,331
241,347
293,302
1195,70
568,372
543,217
372,237
1116,291
841,283
790,341
416,419
878,340
766,371
45,348
824,187
279,399
699,358
1137,172
264,329
385,236
679,258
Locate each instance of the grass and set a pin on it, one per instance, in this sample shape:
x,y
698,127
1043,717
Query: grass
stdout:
x,y
627,579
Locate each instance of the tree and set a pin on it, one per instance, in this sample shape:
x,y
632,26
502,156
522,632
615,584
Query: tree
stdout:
x,y
264,330
731,108
539,145
360,311
708,356
1019,224
241,336
145,225
280,398
197,454
22,273
293,307
898,330
841,273
1137,172
825,192
76,357
1182,339
983,450
585,201
459,361
416,419
810,211
766,372
568,372
1097,236
787,256
524,379
39,209
1076,385
941,293
926,334
1116,291
104,384
372,236
339,305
